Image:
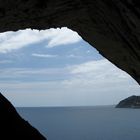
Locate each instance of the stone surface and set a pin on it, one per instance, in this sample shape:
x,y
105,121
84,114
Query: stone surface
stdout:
x,y
111,26
130,102
12,126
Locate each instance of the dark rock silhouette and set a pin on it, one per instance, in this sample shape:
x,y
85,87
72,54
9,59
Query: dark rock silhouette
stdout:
x,y
111,26
12,126
130,102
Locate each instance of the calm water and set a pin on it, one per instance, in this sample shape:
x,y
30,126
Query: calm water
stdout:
x,y
85,123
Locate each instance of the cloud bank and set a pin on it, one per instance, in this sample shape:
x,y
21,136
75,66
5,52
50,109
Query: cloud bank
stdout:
x,y
44,55
55,37
91,83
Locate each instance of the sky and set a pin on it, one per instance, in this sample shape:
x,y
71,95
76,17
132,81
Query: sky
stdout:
x,y
56,67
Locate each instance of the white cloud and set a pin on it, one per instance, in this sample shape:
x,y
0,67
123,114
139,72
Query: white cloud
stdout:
x,y
99,70
44,55
10,41
63,37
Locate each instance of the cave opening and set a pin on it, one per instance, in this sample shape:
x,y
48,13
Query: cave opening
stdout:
x,y
55,71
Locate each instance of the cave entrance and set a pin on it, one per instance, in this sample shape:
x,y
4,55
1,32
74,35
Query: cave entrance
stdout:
x,y
62,85
56,67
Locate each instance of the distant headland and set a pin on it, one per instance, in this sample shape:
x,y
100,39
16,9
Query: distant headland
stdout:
x,y
130,102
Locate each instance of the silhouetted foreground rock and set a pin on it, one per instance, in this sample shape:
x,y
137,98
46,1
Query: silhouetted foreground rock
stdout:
x,y
12,126
130,102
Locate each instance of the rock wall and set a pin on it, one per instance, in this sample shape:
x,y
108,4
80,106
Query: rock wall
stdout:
x,y
111,26
12,126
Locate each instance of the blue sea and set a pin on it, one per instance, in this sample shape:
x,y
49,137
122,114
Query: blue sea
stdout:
x,y
84,123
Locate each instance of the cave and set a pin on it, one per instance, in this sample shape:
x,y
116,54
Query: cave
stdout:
x,y
112,27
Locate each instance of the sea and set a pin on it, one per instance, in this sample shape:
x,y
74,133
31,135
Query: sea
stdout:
x,y
84,123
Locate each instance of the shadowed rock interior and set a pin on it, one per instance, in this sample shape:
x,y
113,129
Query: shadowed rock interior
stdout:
x,y
111,26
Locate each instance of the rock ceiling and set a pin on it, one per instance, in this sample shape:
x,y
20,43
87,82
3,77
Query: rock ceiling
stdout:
x,y
111,26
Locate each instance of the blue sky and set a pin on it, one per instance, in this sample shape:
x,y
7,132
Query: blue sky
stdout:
x,y
56,67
